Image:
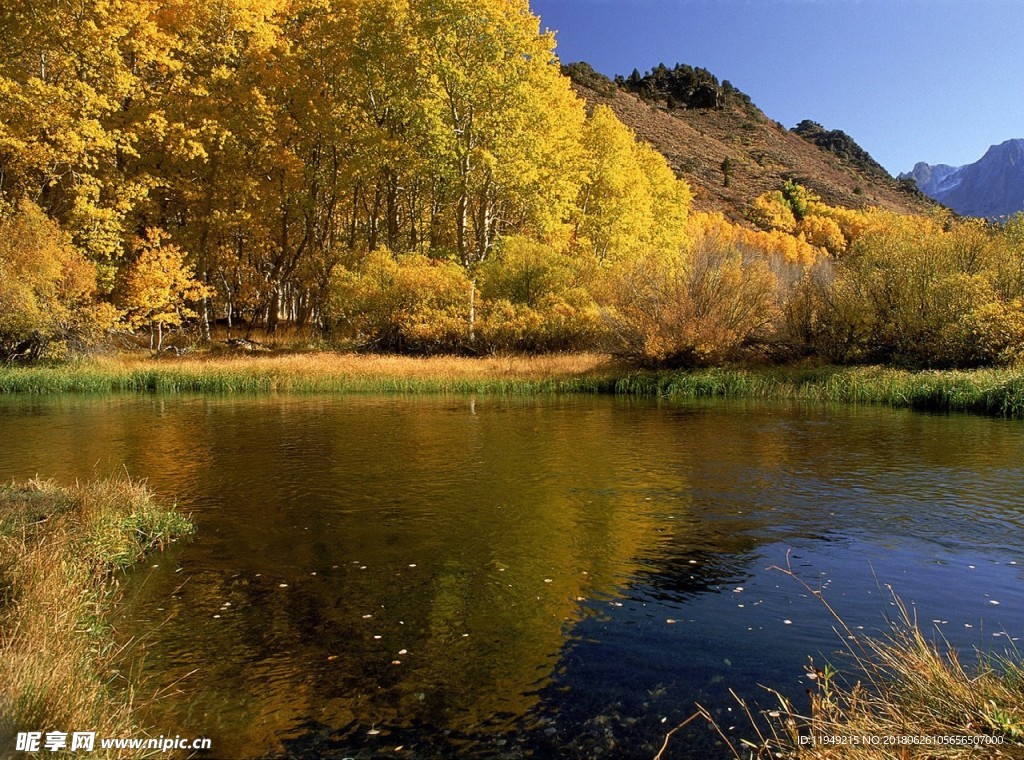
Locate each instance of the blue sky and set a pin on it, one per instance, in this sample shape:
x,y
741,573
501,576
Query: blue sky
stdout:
x,y
910,80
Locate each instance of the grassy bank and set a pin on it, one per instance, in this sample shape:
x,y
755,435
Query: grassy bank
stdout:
x,y
60,552
322,373
902,694
917,688
988,391
983,391
904,684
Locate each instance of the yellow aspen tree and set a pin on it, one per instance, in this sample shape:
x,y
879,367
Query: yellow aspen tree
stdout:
x,y
158,288
631,203
220,161
487,62
76,111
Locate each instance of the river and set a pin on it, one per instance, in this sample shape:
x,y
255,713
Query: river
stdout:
x,y
544,577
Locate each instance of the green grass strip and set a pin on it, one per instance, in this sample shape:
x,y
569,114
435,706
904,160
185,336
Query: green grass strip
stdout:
x,y
997,392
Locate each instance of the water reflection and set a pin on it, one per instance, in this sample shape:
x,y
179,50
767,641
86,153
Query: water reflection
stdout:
x,y
522,577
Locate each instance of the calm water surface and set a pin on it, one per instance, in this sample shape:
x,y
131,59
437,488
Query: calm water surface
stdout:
x,y
527,578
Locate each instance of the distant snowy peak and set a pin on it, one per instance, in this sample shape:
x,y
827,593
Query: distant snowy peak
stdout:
x,y
933,179
991,187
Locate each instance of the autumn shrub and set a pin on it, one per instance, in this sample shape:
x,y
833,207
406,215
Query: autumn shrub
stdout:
x,y
533,299
796,212
796,330
528,297
831,314
822,232
554,324
851,222
1008,255
775,245
524,271
990,333
770,211
409,304
694,309
782,209
920,293
48,304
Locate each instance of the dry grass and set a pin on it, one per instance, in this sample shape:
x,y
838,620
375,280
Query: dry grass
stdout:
x,y
320,372
60,552
353,365
915,687
902,684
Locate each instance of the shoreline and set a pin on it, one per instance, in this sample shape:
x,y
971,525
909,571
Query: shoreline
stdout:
x,y
993,392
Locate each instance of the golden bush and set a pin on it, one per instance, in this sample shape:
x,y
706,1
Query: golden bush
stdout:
x,y
48,302
410,303
694,309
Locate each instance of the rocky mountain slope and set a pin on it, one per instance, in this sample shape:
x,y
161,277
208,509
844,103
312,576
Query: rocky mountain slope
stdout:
x,y
991,187
730,152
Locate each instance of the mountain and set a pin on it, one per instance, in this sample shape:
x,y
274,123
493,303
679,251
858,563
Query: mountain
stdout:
x,y
991,187
716,139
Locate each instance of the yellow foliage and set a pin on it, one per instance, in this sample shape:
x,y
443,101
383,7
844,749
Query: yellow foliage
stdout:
x,y
851,222
822,232
771,212
775,244
524,271
567,322
47,288
533,299
992,332
409,303
422,305
797,211
922,291
503,123
157,288
282,139
701,309
631,202
74,103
